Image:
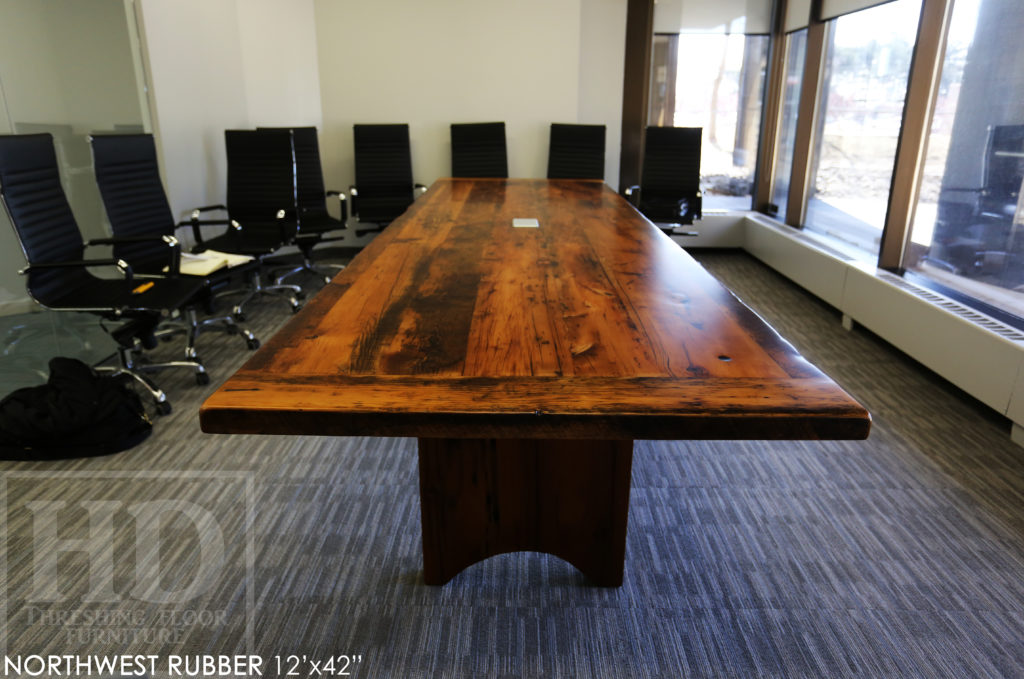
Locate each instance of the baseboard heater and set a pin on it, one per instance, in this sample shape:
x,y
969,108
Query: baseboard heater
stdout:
x,y
977,353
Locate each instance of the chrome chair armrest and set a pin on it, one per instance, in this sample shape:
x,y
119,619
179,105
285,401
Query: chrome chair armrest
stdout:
x,y
122,266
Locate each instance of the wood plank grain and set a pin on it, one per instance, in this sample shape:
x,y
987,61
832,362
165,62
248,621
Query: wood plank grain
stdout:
x,y
482,497
567,407
594,322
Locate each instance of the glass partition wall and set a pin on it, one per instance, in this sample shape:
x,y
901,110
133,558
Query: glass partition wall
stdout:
x,y
67,68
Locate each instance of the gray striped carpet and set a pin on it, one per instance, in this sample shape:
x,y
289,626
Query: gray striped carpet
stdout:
x,y
901,556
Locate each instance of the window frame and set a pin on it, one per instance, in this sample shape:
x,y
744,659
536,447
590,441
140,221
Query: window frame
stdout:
x,y
922,89
667,103
918,110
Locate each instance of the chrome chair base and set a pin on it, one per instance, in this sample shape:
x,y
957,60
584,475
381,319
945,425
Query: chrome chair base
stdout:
x,y
194,327
309,267
127,365
258,289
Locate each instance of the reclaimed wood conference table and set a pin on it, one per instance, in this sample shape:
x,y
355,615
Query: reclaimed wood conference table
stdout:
x,y
526,360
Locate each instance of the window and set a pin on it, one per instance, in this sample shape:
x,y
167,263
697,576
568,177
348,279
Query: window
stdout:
x,y
868,57
725,100
708,70
968,229
795,54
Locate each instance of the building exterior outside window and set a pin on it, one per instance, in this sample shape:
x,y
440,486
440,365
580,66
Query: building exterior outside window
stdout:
x,y
868,57
968,229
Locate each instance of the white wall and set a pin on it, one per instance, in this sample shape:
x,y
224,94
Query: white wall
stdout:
x,y
601,66
217,64
197,90
224,64
430,64
279,62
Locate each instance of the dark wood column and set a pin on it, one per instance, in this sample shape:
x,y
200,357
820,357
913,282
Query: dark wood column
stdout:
x,y
771,112
635,88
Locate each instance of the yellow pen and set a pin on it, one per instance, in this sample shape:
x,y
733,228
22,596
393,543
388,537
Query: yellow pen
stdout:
x,y
142,288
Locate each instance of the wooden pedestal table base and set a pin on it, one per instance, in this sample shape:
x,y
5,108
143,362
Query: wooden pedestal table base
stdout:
x,y
483,497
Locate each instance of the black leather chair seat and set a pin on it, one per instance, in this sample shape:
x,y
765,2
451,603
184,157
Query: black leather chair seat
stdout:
x,y
89,291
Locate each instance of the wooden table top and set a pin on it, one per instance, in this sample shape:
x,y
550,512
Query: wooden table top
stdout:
x,y
453,323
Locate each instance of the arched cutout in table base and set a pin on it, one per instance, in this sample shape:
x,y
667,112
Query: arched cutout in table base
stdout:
x,y
484,497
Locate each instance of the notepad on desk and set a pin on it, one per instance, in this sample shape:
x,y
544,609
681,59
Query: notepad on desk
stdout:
x,y
206,262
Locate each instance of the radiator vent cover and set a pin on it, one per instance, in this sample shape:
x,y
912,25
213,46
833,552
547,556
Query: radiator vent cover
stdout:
x,y
954,307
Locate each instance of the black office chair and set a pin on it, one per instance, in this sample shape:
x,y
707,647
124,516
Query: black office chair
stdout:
x,y
314,221
669,191
59,276
133,196
478,150
975,233
384,187
576,152
261,207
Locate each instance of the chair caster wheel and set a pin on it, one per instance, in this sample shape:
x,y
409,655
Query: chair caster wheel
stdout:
x,y
163,407
238,316
202,379
296,308
253,344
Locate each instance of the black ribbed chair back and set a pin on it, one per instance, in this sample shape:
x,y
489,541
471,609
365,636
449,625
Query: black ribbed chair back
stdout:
x,y
671,161
670,180
39,210
309,175
383,171
261,179
314,222
576,151
478,150
310,191
133,196
58,275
